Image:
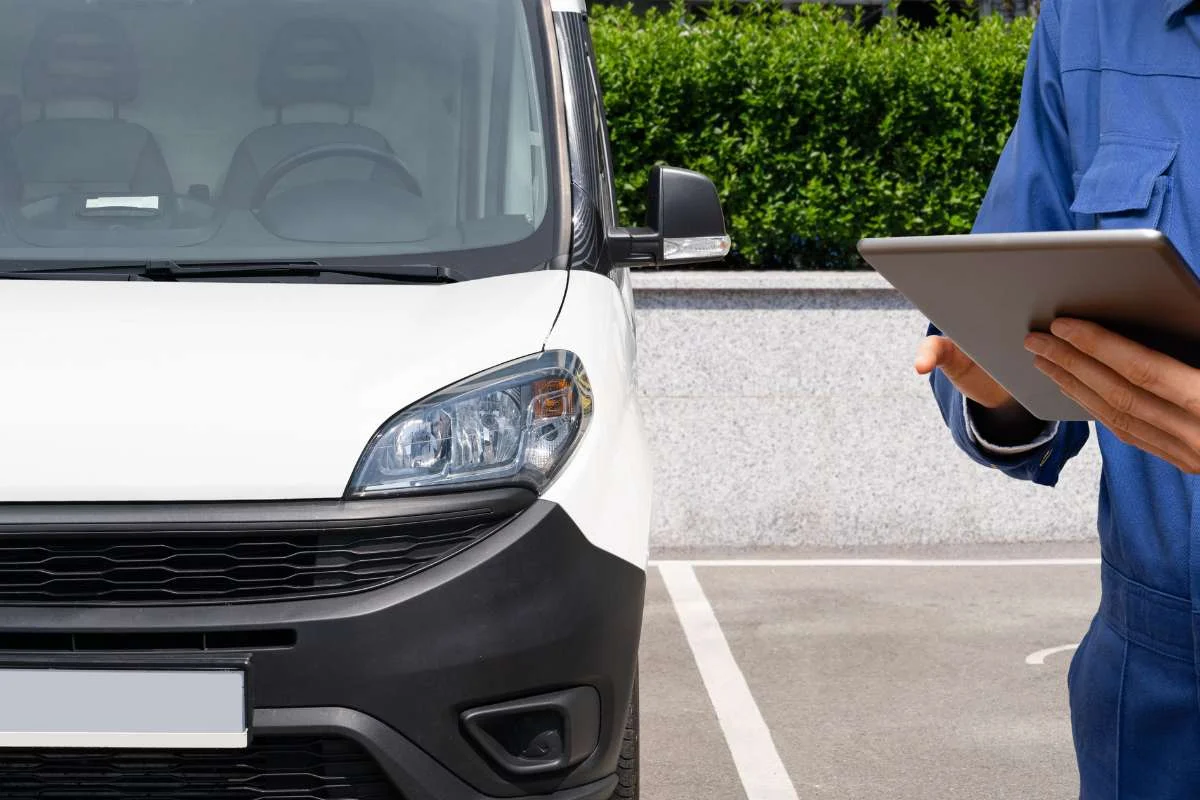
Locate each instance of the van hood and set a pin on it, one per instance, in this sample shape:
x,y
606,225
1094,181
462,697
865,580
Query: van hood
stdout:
x,y
145,391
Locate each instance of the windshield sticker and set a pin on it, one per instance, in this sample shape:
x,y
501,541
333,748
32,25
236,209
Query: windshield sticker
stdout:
x,y
145,203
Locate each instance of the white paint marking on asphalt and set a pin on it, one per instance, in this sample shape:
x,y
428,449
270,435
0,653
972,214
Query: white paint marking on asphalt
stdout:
x,y
749,739
883,562
1039,657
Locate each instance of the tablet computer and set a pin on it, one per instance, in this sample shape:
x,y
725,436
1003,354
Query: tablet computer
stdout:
x,y
987,291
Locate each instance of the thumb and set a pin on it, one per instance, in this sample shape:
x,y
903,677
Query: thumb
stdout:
x,y
938,351
941,352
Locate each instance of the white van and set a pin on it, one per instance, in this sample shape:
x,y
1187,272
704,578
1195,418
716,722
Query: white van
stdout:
x,y
322,473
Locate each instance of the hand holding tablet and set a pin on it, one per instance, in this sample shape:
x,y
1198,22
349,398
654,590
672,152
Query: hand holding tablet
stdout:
x,y
988,292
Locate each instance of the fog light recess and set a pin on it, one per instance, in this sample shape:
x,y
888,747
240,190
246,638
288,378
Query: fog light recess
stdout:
x,y
538,735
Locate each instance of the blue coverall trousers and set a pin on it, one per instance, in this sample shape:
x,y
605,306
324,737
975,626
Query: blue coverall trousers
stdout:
x,y
1135,705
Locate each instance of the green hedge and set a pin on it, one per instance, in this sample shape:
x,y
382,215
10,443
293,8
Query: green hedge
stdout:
x,y
816,131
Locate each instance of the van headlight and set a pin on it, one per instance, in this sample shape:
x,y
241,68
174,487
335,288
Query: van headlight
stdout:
x,y
515,423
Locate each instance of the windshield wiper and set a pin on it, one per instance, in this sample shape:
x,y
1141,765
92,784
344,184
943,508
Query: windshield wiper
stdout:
x,y
177,271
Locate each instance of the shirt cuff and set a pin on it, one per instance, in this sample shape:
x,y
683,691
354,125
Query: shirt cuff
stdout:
x,y
1047,434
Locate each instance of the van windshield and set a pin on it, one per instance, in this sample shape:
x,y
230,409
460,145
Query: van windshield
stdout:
x,y
255,130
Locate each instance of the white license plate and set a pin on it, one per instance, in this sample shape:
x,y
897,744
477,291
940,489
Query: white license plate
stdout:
x,y
121,708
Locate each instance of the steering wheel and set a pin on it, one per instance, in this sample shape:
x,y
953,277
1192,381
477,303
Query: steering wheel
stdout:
x,y
321,152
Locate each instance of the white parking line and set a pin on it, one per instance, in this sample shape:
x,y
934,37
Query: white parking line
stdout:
x,y
758,763
882,562
1034,659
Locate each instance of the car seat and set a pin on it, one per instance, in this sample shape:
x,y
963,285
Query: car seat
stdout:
x,y
322,61
84,55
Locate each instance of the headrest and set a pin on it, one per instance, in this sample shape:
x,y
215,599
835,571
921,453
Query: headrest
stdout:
x,y
317,61
82,54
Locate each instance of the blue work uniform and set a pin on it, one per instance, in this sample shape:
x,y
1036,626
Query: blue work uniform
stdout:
x,y
1108,136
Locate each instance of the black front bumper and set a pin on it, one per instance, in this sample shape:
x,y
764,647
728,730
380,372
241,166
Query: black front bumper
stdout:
x,y
533,608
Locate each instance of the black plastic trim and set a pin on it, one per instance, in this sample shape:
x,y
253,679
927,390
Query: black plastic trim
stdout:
x,y
578,713
683,204
177,642
156,518
415,774
532,609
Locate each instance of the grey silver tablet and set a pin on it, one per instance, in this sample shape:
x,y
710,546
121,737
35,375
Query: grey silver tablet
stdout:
x,y
987,291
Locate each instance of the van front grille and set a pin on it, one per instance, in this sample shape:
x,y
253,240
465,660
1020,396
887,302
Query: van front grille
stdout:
x,y
224,566
271,769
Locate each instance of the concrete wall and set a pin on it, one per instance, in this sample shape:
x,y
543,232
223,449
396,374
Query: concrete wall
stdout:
x,y
783,410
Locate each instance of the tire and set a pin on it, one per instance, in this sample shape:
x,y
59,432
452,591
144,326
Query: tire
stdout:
x,y
627,768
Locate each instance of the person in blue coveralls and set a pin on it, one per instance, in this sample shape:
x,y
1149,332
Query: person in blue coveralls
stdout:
x,y
1108,136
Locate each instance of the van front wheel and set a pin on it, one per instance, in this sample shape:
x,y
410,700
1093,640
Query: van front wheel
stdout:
x,y
627,767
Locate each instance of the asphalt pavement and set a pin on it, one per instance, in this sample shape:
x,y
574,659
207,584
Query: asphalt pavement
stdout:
x,y
915,674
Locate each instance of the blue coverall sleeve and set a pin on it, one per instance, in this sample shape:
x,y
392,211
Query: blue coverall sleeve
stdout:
x,y
1030,190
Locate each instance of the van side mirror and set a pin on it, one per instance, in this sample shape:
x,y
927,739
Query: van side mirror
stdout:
x,y
685,224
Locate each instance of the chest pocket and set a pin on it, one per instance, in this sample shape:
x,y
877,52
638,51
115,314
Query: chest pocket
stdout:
x,y
1127,185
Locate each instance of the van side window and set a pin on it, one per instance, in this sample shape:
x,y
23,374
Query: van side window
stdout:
x,y
604,178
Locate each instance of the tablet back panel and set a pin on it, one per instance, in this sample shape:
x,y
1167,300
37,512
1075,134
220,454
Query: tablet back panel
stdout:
x,y
986,291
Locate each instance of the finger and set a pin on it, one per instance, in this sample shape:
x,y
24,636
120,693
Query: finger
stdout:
x,y
1172,380
935,351
967,376
927,354
1171,453
1125,398
940,352
1132,431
